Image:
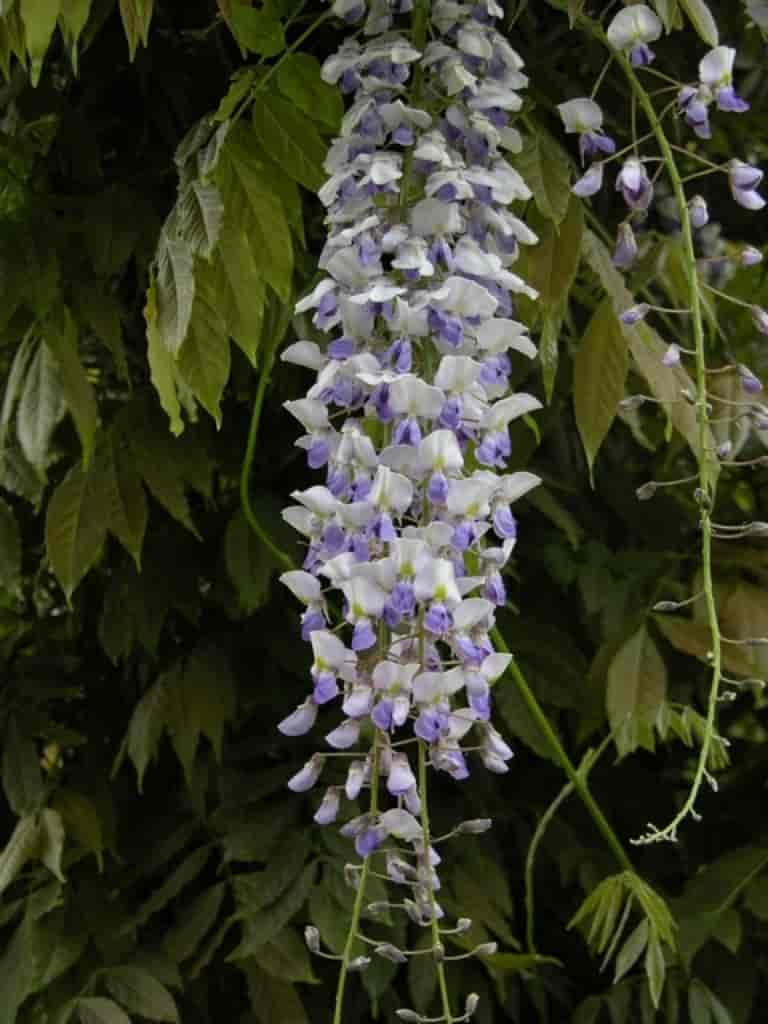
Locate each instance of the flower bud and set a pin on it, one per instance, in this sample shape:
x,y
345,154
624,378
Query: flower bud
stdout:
x,y
312,938
410,1016
390,952
760,318
672,356
698,211
463,924
635,314
380,907
646,491
475,826
625,252
486,949
473,1001
631,403
359,963
750,256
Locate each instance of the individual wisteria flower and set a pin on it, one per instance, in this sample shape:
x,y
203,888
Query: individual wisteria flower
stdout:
x,y
590,183
635,314
408,418
744,180
632,29
625,250
699,212
584,117
716,73
634,184
750,257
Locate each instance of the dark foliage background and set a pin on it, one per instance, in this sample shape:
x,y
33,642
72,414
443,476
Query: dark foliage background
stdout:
x,y
149,257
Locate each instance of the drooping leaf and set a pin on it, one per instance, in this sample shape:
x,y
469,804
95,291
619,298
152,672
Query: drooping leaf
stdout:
x,y
162,366
144,731
185,873
204,357
127,503
97,1010
10,548
77,390
200,211
290,138
21,847
137,16
140,993
39,18
549,348
701,18
174,289
250,204
76,525
599,375
637,685
183,940
81,820
545,169
551,265
14,385
298,79
41,408
240,85
22,778
272,999
632,950
669,12
257,31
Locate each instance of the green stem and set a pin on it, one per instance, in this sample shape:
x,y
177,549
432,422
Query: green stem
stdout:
x,y
268,359
354,924
439,966
708,468
570,769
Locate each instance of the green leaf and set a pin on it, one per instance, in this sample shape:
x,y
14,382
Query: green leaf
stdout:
x,y
698,1003
249,564
187,872
200,699
290,138
696,639
22,778
552,264
174,288
646,346
241,287
162,367
74,15
240,85
61,338
126,501
39,18
655,968
199,214
669,12
546,171
599,376
182,941
101,314
632,950
575,7
637,686
97,1010
204,357
139,992
14,385
10,548
265,925
257,31
286,957
298,79
81,820
701,18
549,347
136,15
250,204
51,842
144,731
76,525
41,408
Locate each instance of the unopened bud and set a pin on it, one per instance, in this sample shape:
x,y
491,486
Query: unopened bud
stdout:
x,y
380,907
760,318
410,1016
359,963
697,208
473,1000
486,949
631,403
666,606
390,952
351,876
758,529
635,314
312,938
646,491
672,356
475,826
463,925
749,256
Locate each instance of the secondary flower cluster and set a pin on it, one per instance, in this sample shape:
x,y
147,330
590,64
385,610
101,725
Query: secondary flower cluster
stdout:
x,y
409,418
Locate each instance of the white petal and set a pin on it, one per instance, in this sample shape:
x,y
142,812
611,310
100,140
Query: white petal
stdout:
x,y
304,353
636,24
716,67
581,115
303,585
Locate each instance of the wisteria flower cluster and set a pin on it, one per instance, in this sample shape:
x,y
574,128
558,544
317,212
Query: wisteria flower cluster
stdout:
x,y
409,418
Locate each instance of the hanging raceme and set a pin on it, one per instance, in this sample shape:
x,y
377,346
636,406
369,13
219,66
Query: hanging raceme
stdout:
x,y
409,419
